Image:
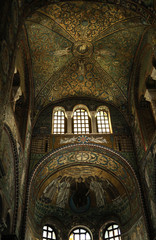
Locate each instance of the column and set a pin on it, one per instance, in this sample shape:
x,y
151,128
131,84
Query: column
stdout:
x,y
69,122
93,122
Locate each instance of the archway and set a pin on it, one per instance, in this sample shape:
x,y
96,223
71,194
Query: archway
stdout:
x,y
79,181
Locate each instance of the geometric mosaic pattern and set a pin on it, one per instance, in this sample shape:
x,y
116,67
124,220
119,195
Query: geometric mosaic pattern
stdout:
x,y
78,50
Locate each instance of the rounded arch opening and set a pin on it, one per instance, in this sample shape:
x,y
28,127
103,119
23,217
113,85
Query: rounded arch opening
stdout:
x,y
81,158
112,231
80,233
48,233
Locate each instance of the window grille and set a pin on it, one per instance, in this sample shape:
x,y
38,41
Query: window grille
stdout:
x,y
81,121
103,124
112,232
80,234
59,122
48,233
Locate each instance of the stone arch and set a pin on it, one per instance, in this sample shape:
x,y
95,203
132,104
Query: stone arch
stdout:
x,y
90,156
16,173
141,108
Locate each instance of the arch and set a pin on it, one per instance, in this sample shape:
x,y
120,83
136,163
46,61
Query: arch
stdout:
x,y
112,231
142,125
16,172
81,106
21,91
90,155
79,231
48,232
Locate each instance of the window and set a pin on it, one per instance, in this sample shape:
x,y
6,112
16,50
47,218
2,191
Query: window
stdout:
x,y
80,234
48,233
81,121
58,121
112,232
103,120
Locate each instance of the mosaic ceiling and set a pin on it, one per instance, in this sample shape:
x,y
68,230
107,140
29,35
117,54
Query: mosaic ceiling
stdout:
x,y
81,49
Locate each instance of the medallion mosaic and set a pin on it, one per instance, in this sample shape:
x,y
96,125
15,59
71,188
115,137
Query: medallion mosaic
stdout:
x,y
80,49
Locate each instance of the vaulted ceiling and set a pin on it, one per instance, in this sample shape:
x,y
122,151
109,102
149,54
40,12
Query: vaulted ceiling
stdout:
x,y
83,49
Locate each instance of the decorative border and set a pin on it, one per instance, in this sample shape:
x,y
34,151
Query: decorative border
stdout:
x,y
148,12
16,172
70,147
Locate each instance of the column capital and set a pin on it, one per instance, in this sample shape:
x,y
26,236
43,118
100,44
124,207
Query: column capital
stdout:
x,y
68,113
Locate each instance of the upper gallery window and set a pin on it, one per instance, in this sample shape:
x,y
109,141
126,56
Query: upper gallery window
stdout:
x,y
112,232
48,233
81,121
80,234
58,120
103,120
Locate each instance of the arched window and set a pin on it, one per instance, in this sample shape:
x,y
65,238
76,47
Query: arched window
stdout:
x,y
103,120
81,120
58,126
48,233
80,234
112,232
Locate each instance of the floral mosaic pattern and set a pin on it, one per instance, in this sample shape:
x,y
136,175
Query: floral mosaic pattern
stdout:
x,y
85,21
64,64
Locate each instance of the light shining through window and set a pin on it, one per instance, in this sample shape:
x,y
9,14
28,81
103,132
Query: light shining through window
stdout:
x,y
48,233
103,124
80,234
59,122
81,121
112,232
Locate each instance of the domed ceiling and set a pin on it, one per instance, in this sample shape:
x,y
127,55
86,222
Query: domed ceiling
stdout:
x,y
83,49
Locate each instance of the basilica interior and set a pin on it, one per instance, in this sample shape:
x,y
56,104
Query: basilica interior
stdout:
x,y
78,120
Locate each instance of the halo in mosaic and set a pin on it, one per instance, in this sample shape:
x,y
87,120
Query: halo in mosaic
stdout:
x,y
92,167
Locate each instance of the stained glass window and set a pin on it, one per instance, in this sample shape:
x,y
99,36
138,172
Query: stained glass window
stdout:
x,y
59,122
80,234
103,124
112,232
48,233
81,121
